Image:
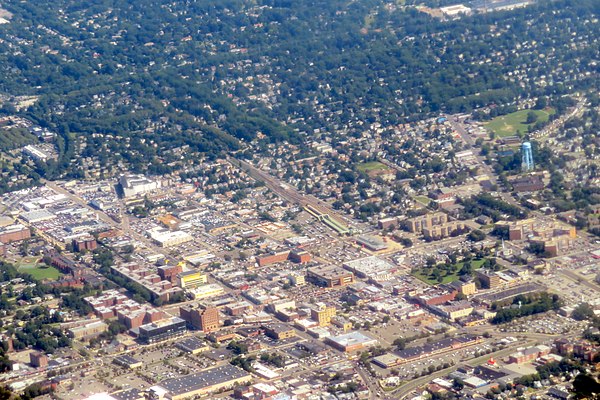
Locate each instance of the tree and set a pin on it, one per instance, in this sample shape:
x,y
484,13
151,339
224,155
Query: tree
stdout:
x,y
583,312
585,386
476,236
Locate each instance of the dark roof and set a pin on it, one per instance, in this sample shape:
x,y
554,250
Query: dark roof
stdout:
x,y
204,379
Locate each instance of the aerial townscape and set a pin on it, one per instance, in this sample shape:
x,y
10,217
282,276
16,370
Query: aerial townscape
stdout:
x,y
299,199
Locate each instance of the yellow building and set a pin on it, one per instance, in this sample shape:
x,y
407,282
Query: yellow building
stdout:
x,y
191,279
322,314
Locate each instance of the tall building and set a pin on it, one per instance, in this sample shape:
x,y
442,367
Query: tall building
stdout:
x,y
322,314
205,319
527,154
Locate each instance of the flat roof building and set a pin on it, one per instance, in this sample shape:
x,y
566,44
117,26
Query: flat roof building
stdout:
x,y
200,383
330,276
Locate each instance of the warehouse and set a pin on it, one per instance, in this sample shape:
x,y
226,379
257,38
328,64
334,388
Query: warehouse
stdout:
x,y
200,383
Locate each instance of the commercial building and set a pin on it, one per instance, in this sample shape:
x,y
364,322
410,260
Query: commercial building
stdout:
x,y
272,258
205,319
330,276
206,291
161,330
489,279
322,313
279,331
192,345
200,383
134,185
453,311
191,279
373,243
127,361
166,238
297,279
373,268
350,342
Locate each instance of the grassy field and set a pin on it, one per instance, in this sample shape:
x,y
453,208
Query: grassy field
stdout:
x,y
370,166
40,271
509,124
476,264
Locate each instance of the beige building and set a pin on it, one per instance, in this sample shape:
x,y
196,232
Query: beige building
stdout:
x,y
322,314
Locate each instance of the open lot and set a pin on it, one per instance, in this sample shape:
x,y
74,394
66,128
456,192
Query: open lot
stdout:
x,y
509,124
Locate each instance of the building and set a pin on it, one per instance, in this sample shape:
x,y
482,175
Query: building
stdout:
x,y
330,276
14,233
529,354
192,345
489,279
191,279
388,223
300,257
373,243
161,330
135,185
417,224
279,331
205,319
200,383
87,243
322,313
445,230
36,153
350,342
453,311
166,238
455,10
206,291
297,279
272,258
88,331
372,268
127,361
38,360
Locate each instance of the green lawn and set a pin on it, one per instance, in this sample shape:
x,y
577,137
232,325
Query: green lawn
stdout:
x,y
476,264
40,271
370,166
509,124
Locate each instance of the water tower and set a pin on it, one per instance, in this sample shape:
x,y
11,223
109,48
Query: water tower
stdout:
x,y
527,154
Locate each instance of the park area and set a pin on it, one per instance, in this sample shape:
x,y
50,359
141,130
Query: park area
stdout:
x,y
371,166
429,276
511,124
37,270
